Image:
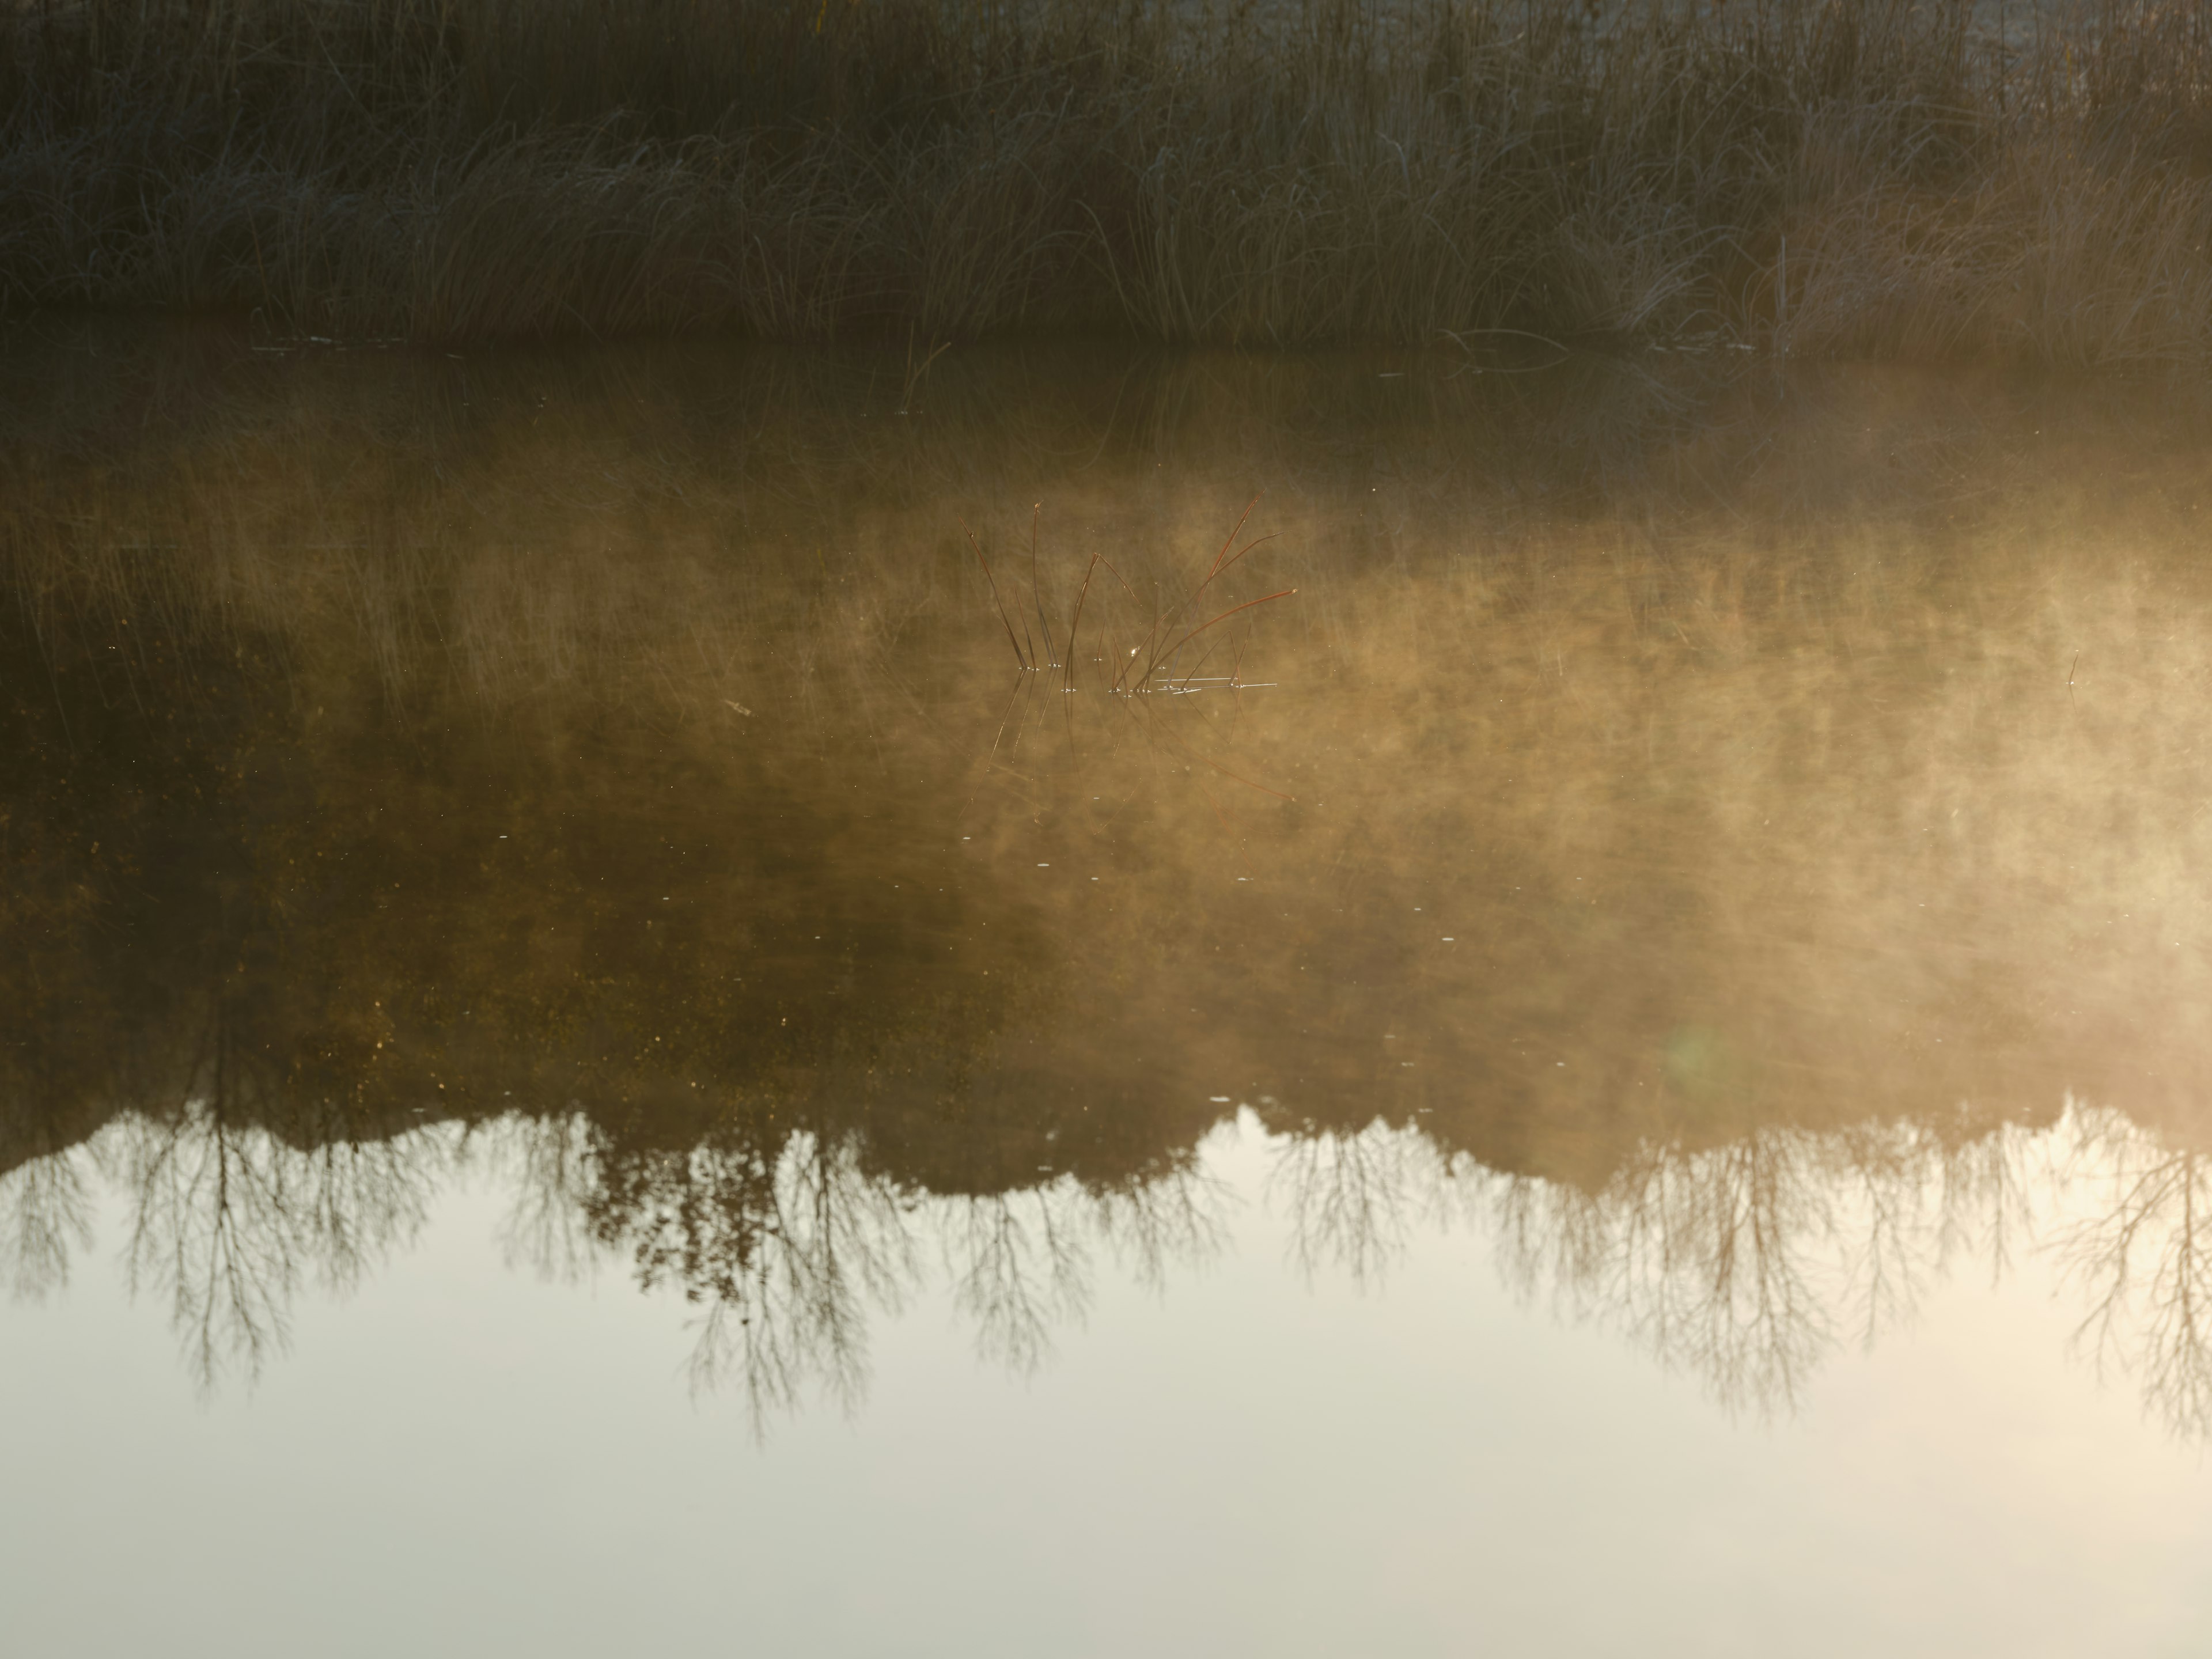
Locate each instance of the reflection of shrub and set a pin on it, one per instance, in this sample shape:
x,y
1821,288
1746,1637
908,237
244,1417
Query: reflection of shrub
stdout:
x,y
1859,177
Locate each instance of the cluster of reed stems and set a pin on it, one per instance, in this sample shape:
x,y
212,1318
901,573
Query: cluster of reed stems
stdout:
x,y
1173,628
1164,634
1859,177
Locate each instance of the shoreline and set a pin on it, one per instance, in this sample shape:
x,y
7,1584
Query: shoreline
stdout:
x,y
1876,183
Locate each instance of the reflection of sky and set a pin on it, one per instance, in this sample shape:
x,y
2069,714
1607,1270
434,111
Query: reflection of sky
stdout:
x,y
464,1458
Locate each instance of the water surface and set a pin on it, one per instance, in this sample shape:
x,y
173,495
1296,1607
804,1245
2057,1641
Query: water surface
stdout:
x,y
1559,1011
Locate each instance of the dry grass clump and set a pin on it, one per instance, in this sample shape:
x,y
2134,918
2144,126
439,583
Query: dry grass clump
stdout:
x,y
1882,178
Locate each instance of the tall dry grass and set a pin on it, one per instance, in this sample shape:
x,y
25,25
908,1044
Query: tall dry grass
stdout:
x,y
1884,179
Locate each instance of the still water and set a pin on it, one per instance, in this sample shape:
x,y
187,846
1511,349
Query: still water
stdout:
x,y
1058,1002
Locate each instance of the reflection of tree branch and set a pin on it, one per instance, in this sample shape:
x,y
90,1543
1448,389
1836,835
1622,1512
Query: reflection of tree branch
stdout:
x,y
43,1208
209,1227
2161,1211
1174,1215
785,1250
1699,1257
554,1169
1885,1167
1985,1201
1717,1270
1739,1263
788,1244
1015,1277
227,1220
1351,1197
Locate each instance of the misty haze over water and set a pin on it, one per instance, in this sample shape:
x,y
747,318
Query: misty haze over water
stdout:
x,y
1064,998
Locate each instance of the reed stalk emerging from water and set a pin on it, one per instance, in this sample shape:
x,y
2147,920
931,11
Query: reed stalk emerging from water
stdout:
x,y
1247,172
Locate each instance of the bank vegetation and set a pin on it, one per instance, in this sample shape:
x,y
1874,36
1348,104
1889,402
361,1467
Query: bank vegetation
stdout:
x,y
1890,181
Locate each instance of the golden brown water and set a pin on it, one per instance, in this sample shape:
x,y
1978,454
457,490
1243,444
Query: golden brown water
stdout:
x,y
1728,844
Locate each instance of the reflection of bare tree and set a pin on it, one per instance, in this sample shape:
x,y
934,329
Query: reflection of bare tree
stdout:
x,y
1020,1262
1173,1215
2145,1258
227,1221
1986,1205
1701,1257
1716,1249
553,1164
1710,1259
1879,1178
790,1243
1352,1198
1020,1265
786,1245
1906,1200
1743,1263
44,1208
